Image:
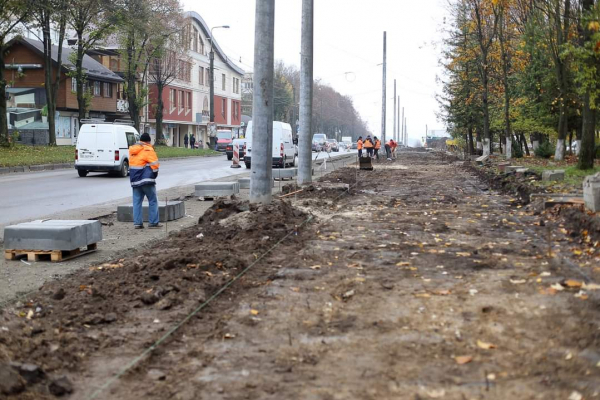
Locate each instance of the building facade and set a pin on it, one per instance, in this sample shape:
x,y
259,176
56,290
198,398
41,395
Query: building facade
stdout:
x,y
187,99
25,67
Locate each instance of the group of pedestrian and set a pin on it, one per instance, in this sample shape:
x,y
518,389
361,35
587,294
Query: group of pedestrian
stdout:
x,y
372,147
191,140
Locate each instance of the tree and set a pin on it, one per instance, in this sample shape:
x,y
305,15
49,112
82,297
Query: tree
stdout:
x,y
140,32
169,62
49,15
92,21
12,14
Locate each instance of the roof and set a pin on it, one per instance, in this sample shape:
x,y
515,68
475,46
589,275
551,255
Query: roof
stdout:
x,y
92,68
194,15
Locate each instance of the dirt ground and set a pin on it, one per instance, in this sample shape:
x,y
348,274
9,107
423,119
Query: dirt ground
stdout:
x,y
412,281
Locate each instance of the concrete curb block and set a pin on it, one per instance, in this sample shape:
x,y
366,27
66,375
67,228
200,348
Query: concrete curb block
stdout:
x,y
35,168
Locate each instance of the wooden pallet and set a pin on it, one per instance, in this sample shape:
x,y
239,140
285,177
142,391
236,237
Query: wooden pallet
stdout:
x,y
52,255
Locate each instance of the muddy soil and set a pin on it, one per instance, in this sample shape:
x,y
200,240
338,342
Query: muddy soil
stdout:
x,y
417,282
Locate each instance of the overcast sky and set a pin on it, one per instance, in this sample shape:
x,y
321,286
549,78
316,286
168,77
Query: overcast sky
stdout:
x,y
348,49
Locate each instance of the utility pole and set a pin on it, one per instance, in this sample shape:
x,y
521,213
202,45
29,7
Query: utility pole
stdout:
x,y
306,94
403,133
383,114
261,176
398,136
394,133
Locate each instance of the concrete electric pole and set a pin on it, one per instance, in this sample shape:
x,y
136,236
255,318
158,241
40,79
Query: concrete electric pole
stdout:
x,y
306,94
398,117
261,176
383,113
394,132
403,137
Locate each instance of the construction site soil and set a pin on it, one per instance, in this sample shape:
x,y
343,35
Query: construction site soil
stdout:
x,y
412,281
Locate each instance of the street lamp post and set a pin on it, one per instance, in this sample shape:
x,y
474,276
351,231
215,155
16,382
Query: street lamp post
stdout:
x,y
212,73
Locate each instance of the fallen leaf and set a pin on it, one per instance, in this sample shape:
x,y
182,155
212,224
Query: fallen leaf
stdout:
x,y
576,396
518,281
485,346
442,292
558,287
29,314
423,295
573,283
254,312
295,289
581,295
463,254
229,336
315,267
590,286
403,264
436,394
461,360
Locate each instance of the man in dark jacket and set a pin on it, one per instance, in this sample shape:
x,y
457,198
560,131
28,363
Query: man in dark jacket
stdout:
x,y
193,142
143,171
185,140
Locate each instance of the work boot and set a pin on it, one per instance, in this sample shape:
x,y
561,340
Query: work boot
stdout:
x,y
155,226
138,227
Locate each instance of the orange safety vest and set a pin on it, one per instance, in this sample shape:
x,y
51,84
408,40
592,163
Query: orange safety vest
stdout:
x,y
378,144
368,144
359,144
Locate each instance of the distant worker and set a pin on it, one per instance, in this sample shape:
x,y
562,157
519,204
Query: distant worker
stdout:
x,y
368,144
388,150
193,142
359,146
185,140
393,146
143,170
377,147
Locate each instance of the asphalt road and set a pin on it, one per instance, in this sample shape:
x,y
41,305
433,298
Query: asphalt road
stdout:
x,y
32,195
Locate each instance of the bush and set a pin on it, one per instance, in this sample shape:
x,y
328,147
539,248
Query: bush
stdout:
x,y
517,152
545,150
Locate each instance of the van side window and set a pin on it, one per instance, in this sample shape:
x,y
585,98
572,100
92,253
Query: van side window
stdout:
x,y
130,138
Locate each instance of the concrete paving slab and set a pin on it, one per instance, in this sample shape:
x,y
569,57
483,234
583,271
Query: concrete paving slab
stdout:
x,y
553,175
245,183
166,211
216,189
52,235
285,173
513,168
591,192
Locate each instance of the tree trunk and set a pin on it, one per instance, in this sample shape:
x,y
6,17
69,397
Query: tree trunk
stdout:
x,y
50,99
79,75
587,152
487,140
131,79
159,115
563,83
470,144
524,142
3,120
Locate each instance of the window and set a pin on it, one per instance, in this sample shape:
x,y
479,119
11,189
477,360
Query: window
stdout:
x,y
180,101
200,45
188,104
195,39
74,85
223,106
201,75
236,85
173,99
205,104
130,138
107,89
96,88
207,76
224,83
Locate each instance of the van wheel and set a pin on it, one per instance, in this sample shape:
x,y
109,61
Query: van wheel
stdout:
x,y
82,173
229,158
295,162
248,166
124,169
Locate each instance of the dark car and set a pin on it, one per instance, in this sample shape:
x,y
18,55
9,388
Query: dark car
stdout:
x,y
354,146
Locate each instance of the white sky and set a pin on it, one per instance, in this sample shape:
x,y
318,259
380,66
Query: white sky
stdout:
x,y
349,38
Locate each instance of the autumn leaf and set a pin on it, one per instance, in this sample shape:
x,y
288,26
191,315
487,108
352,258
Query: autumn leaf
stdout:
x,y
485,346
254,312
461,360
573,283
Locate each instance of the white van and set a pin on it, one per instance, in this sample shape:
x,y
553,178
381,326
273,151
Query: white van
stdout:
x,y
284,149
104,147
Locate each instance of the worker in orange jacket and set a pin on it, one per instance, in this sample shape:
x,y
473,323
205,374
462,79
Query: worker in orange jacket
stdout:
x,y
359,146
377,147
368,144
143,171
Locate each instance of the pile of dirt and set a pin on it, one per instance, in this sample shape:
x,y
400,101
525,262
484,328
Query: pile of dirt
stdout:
x,y
510,183
62,326
580,223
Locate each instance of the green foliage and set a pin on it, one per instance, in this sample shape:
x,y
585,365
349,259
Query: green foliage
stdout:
x,y
545,150
44,111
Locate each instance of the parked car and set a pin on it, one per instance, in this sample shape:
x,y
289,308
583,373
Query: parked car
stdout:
x,y
333,145
354,146
104,147
284,150
319,142
224,138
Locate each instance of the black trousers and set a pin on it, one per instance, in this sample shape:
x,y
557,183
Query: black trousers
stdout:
x,y
370,151
359,153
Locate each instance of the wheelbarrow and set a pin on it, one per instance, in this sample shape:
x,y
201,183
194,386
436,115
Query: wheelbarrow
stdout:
x,y
365,163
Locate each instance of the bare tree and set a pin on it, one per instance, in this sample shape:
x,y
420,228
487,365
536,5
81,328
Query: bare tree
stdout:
x,y
12,14
92,21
